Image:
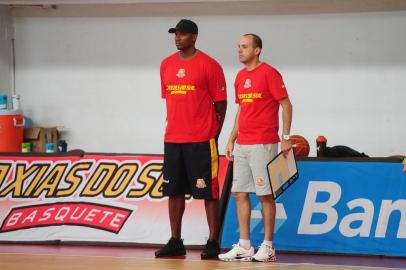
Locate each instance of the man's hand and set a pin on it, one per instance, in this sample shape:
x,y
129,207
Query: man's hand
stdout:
x,y
229,151
286,145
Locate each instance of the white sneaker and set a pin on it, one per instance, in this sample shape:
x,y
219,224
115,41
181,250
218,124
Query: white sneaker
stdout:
x,y
265,253
238,253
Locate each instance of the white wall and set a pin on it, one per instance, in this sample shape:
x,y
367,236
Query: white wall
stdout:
x,y
5,51
99,77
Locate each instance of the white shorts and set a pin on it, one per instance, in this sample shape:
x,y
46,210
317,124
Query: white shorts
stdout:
x,y
250,168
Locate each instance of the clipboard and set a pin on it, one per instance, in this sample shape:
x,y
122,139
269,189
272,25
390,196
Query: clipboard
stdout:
x,y
282,172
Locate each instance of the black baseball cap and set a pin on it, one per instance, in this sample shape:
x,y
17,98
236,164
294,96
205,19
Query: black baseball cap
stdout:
x,y
185,26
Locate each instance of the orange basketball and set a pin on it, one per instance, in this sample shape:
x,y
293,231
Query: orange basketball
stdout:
x,y
300,145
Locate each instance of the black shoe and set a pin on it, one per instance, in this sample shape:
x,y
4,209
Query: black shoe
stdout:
x,y
211,250
174,247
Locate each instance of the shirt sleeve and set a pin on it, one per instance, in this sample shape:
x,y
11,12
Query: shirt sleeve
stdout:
x,y
163,88
276,85
216,82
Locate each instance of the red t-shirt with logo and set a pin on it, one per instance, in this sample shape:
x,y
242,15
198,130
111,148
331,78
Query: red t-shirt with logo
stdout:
x,y
190,87
257,92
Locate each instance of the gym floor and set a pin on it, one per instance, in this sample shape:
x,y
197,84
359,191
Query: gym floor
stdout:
x,y
18,256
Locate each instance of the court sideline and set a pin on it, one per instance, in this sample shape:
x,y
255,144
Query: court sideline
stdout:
x,y
15,256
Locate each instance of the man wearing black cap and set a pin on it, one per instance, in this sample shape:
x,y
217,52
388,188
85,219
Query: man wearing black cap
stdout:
x,y
193,85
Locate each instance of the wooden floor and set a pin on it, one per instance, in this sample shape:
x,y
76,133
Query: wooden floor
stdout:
x,y
19,257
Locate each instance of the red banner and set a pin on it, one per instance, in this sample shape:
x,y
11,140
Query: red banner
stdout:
x,y
89,196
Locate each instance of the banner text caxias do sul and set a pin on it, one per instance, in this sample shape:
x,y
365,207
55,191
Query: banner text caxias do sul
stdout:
x,y
103,198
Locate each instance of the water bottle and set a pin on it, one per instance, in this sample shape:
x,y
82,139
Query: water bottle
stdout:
x,y
15,101
321,143
62,146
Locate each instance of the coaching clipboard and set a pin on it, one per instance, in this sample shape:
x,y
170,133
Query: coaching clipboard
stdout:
x,y
282,172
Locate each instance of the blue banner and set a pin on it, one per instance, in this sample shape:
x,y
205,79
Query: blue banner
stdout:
x,y
335,207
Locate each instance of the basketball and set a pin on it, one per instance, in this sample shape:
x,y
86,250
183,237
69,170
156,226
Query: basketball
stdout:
x,y
300,145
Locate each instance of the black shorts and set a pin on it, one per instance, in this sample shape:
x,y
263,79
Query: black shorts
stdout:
x,y
191,168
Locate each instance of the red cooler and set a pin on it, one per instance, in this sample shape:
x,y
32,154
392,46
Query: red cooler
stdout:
x,y
11,130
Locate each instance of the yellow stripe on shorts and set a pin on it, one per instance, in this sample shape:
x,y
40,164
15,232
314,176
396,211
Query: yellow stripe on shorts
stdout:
x,y
214,159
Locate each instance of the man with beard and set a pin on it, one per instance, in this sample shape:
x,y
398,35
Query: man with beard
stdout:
x,y
193,85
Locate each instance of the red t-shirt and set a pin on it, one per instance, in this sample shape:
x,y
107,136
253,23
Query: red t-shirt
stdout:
x,y
190,87
257,92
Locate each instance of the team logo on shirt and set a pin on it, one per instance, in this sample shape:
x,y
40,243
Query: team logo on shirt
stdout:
x,y
247,83
200,183
181,73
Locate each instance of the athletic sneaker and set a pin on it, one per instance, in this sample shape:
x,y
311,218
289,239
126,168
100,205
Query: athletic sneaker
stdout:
x,y
211,250
238,253
265,253
174,247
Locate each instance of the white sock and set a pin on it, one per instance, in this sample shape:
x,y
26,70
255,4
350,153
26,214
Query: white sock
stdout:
x,y
268,243
245,243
